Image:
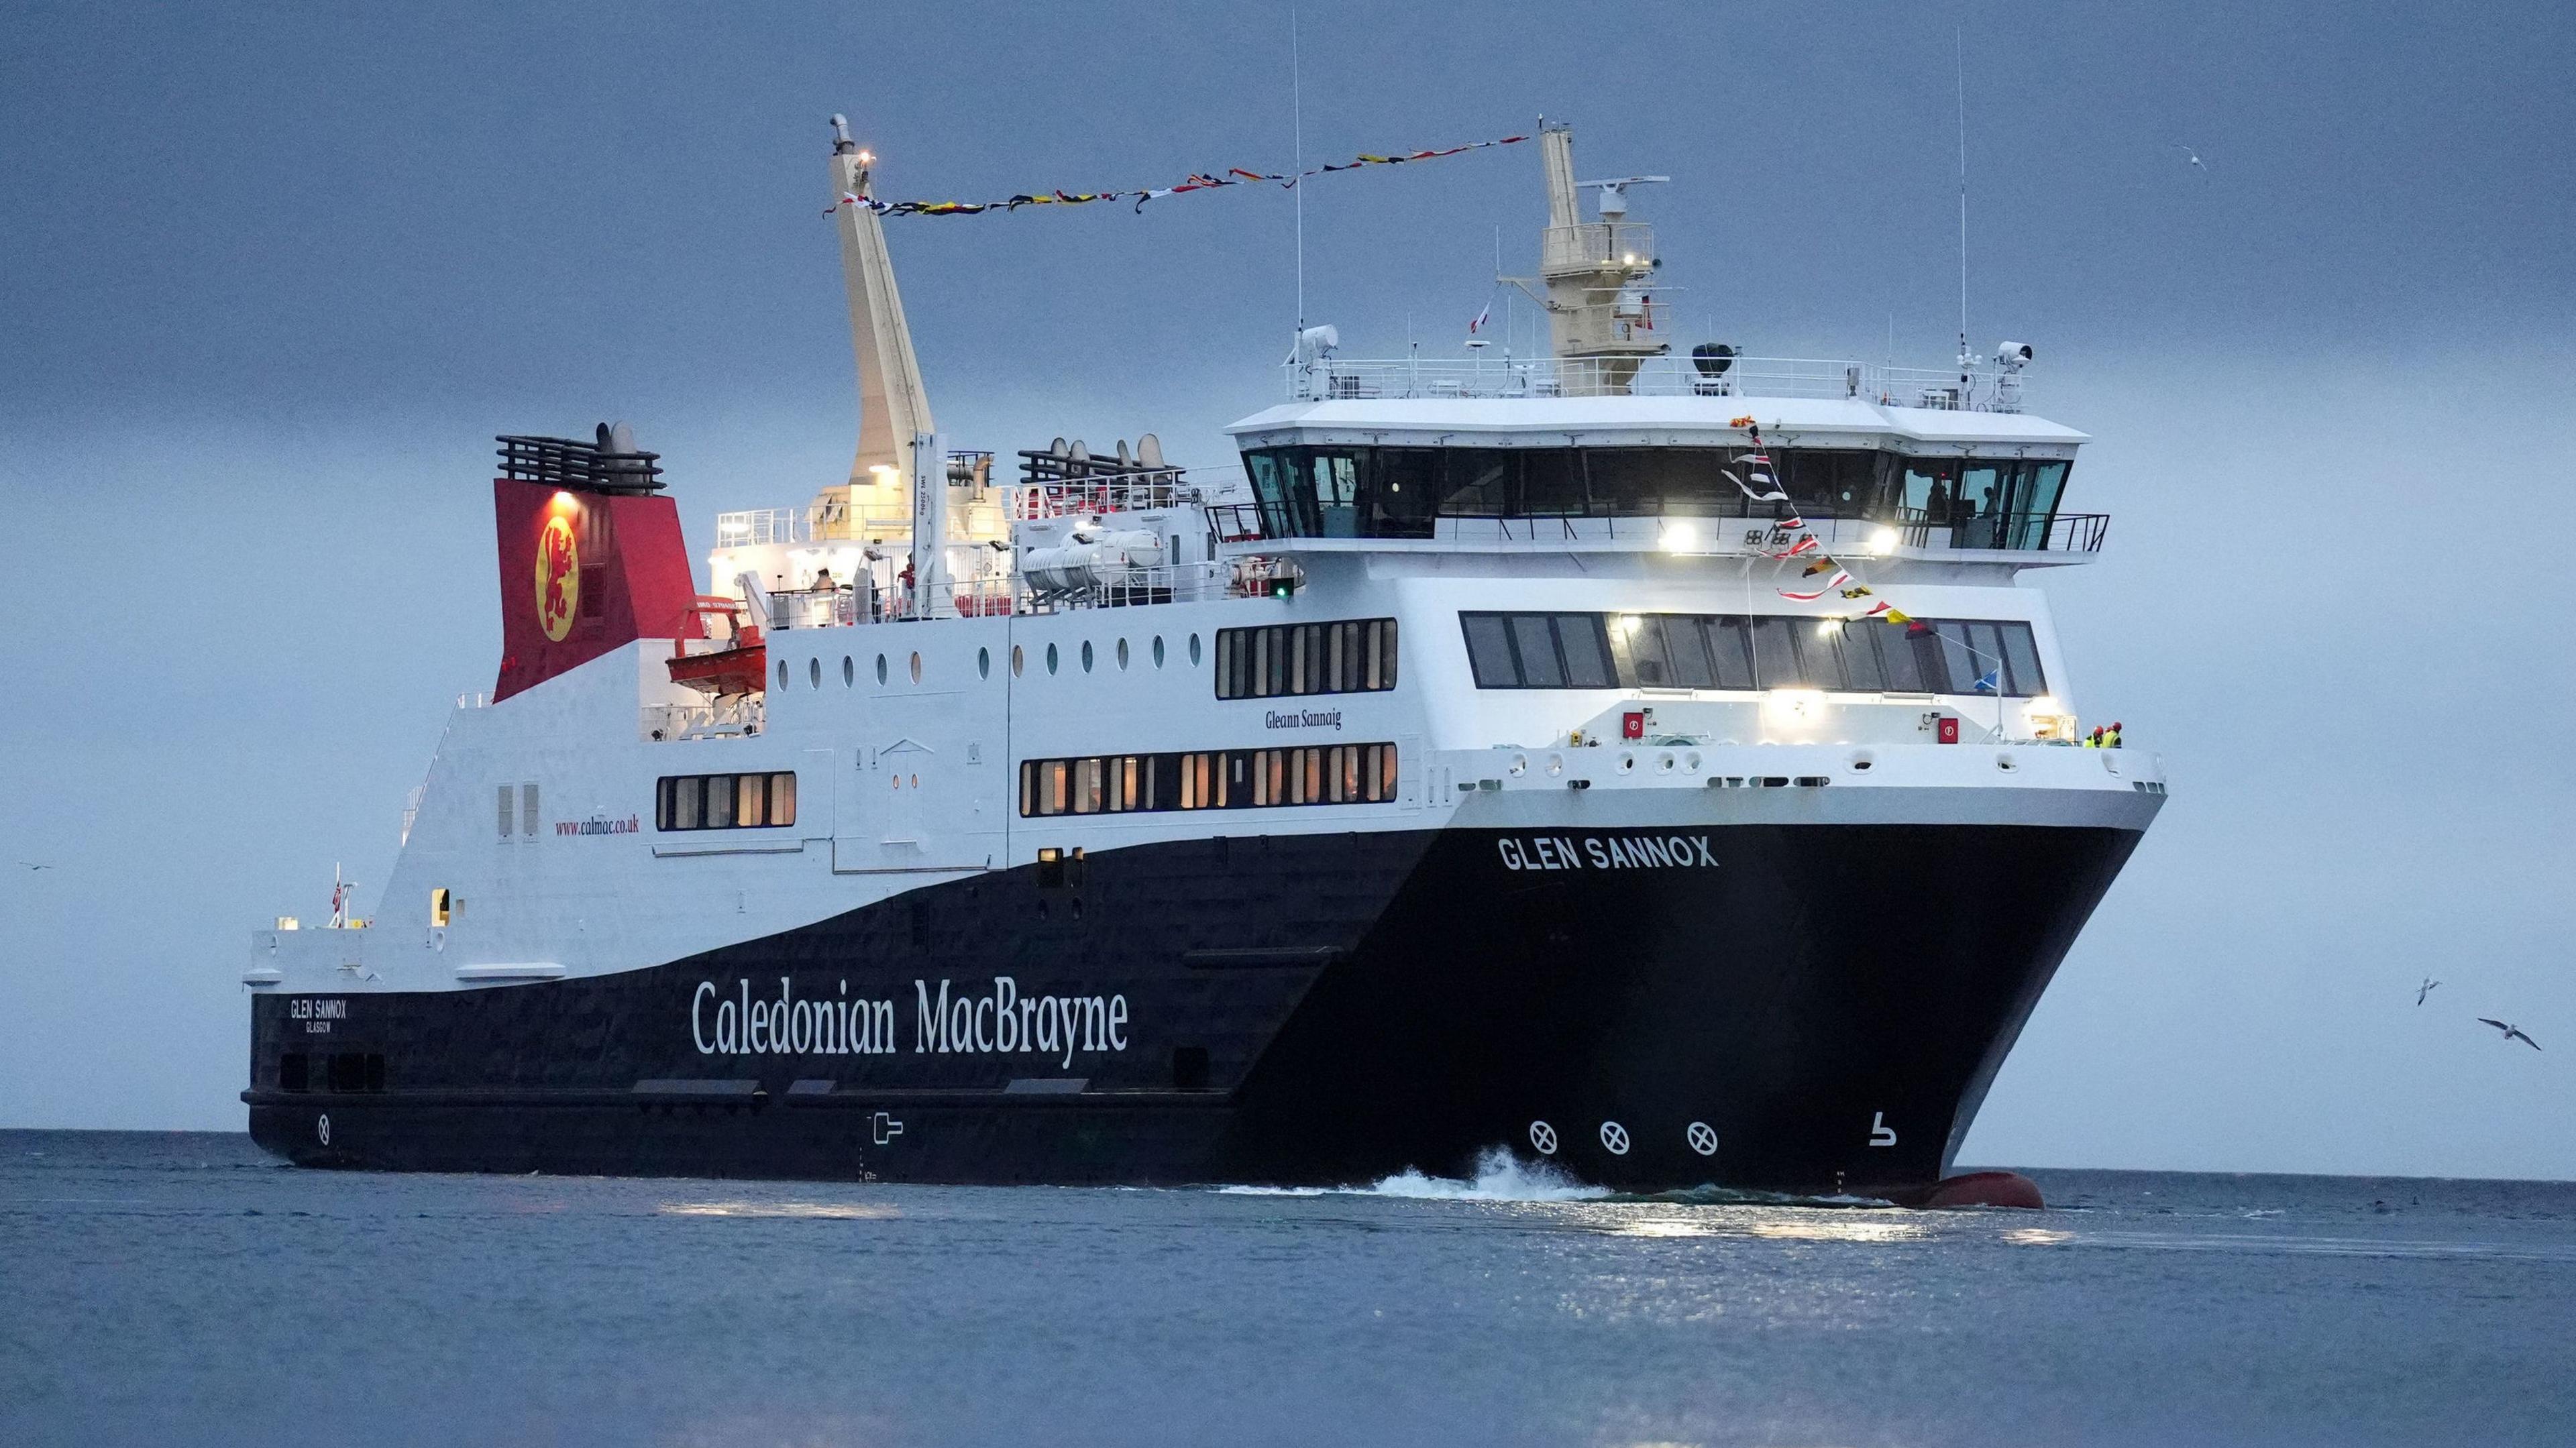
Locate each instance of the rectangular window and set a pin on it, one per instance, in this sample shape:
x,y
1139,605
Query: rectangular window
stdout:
x,y
528,809
1210,779
1775,654
1768,651
721,801
1587,652
1534,645
509,821
1293,660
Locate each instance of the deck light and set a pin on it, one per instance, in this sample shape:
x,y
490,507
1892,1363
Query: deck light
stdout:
x,y
1882,542
1794,706
1680,538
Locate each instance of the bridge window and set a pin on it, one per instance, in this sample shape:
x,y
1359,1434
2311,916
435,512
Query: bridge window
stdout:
x,y
1399,492
723,801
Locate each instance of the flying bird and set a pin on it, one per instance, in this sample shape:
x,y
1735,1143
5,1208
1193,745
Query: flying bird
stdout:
x,y
2511,1033
2193,159
33,866
2425,989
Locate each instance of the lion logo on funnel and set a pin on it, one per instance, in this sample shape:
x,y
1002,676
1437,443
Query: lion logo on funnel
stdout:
x,y
558,578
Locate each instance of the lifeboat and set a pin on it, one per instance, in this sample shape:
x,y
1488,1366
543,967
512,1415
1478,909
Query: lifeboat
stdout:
x,y
740,667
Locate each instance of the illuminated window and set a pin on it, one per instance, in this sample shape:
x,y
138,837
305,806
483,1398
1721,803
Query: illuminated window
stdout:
x,y
1208,779
723,801
442,907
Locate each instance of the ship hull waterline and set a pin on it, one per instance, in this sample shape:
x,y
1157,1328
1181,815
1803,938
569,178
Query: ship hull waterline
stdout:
x,y
1803,1008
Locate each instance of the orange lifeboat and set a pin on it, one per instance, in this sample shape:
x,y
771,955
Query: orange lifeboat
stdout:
x,y
741,667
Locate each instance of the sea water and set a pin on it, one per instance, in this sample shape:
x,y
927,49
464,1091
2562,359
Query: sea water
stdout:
x,y
180,1289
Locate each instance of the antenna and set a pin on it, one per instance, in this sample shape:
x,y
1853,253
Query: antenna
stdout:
x,y
1297,149
1959,59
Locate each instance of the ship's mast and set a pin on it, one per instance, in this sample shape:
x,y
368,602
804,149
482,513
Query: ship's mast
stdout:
x,y
1599,306
893,408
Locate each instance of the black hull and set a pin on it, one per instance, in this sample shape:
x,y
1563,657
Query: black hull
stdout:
x,y
1827,1003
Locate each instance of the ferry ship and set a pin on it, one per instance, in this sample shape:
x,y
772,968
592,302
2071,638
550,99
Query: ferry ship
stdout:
x,y
1478,770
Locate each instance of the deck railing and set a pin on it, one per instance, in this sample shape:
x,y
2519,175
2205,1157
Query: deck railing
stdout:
x,y
1980,388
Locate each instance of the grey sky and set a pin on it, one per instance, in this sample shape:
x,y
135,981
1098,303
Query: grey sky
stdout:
x,y
270,280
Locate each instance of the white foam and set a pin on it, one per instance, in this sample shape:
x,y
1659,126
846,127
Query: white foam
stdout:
x,y
1500,1177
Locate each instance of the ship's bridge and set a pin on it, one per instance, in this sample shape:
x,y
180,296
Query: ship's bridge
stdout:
x,y
1650,471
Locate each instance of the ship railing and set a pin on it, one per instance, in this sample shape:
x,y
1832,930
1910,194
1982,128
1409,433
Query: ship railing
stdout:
x,y
835,523
1716,528
2035,532
1979,388
1597,246
735,716
1126,493
753,527
1146,584
815,608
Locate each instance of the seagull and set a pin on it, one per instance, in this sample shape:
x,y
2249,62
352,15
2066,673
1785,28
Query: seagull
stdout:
x,y
33,866
2425,989
2194,159
2511,1033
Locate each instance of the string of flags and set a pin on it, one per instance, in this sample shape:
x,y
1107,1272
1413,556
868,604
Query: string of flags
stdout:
x,y
1198,181
1763,486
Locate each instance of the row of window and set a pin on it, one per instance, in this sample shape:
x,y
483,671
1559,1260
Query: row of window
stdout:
x,y
724,801
983,663
1350,657
1697,651
1397,492
1209,779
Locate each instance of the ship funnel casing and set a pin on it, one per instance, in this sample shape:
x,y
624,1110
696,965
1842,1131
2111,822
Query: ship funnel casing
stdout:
x,y
583,574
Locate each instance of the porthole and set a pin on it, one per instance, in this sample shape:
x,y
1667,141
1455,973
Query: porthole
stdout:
x,y
1019,661
814,673
1122,653
881,669
1627,763
916,666
1051,658
782,673
1194,648
849,672
1086,656
983,663
1158,651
